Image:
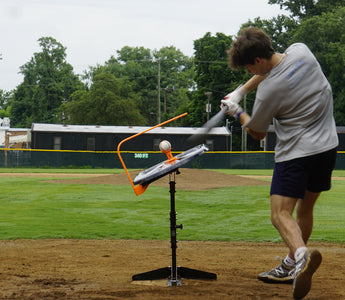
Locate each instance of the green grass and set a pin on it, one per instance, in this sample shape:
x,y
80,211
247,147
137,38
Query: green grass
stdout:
x,y
61,170
34,209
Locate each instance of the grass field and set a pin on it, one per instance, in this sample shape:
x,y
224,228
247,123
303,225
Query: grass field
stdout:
x,y
32,209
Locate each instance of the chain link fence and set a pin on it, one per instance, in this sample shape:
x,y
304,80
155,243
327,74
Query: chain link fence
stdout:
x,y
137,160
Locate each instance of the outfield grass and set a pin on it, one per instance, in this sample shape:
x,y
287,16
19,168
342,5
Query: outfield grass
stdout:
x,y
31,208
61,170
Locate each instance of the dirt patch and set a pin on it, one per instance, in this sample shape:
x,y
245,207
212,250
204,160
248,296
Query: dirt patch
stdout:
x,y
103,269
188,179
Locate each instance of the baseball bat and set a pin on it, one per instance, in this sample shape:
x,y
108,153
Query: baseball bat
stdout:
x,y
200,136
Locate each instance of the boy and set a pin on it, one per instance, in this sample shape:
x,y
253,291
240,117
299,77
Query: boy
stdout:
x,y
293,92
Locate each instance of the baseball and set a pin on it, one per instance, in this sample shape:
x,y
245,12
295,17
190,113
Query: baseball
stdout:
x,y
164,146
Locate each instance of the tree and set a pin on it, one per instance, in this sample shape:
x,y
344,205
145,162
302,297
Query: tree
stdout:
x,y
279,29
327,44
48,82
139,65
5,103
212,75
302,9
109,102
176,79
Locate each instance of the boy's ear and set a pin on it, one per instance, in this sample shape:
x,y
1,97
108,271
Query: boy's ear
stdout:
x,y
257,60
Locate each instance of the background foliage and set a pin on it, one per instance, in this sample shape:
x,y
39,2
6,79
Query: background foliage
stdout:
x,y
136,83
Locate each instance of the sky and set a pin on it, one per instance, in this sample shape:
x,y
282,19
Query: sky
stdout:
x,y
93,30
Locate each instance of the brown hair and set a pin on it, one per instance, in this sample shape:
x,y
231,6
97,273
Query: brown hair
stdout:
x,y
252,42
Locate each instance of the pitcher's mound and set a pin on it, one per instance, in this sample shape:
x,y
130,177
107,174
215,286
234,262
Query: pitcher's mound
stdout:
x,y
188,179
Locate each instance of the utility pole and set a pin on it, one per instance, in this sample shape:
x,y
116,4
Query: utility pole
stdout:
x,y
165,97
208,106
159,92
165,100
244,132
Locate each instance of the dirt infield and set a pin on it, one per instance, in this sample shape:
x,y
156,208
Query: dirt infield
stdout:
x,y
103,269
188,179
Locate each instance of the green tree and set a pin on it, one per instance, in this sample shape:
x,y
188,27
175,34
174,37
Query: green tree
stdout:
x,y
137,65
301,9
109,102
176,79
140,66
5,103
328,45
48,82
279,29
212,76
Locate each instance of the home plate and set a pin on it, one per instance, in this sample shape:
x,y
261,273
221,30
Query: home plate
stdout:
x,y
162,282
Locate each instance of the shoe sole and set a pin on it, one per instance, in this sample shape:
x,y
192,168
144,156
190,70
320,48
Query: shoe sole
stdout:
x,y
302,282
287,280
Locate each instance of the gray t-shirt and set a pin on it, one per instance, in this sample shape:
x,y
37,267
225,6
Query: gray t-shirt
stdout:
x,y
298,97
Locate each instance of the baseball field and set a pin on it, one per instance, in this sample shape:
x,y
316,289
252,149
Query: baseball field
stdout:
x,y
83,234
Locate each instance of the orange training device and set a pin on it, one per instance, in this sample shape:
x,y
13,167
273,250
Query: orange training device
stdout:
x,y
139,189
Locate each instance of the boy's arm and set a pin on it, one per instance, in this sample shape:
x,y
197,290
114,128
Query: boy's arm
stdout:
x,y
245,118
253,83
242,90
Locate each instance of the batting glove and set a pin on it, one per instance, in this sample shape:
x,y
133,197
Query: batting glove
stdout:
x,y
233,108
236,95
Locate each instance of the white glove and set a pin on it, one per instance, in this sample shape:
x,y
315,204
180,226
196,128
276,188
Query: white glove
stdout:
x,y
236,95
233,108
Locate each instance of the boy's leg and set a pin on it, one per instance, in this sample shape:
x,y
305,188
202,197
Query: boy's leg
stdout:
x,y
281,216
304,214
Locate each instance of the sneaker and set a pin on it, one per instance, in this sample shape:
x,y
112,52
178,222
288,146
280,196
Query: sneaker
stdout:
x,y
280,274
304,270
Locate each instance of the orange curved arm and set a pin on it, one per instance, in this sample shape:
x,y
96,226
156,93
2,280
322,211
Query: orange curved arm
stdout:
x,y
139,189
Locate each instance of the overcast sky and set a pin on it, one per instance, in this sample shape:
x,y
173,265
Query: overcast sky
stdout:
x,y
92,30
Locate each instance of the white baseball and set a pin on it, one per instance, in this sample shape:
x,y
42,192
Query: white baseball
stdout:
x,y
164,146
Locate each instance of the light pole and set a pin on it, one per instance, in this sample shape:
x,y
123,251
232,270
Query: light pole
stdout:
x,y
244,132
165,97
208,106
159,92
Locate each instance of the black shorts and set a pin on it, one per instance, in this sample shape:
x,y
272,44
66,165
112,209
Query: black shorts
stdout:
x,y
313,173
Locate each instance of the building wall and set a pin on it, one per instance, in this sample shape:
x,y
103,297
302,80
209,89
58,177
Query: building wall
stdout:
x,y
109,142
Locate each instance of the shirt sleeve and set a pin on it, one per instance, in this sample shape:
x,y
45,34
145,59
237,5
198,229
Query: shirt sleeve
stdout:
x,y
262,116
